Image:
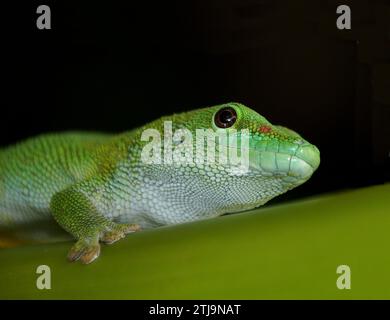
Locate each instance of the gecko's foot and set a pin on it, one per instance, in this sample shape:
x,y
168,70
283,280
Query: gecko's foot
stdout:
x,y
84,250
118,232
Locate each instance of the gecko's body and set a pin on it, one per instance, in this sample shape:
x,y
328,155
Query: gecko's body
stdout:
x,y
97,186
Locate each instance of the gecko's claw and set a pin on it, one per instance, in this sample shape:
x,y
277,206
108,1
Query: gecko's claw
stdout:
x,y
85,251
118,232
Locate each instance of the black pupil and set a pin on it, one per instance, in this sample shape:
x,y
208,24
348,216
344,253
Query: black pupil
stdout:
x,y
225,118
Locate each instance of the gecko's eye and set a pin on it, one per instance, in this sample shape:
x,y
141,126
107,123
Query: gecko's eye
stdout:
x,y
225,117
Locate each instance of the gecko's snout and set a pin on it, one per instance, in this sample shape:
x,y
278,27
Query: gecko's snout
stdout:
x,y
294,160
305,161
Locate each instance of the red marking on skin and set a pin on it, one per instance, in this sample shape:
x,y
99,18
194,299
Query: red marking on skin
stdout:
x,y
264,129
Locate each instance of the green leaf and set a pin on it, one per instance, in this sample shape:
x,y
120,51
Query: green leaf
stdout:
x,y
283,251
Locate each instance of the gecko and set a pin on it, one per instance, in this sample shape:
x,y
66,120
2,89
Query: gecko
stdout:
x,y
98,187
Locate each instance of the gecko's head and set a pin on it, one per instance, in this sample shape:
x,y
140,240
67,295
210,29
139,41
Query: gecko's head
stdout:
x,y
234,158
273,152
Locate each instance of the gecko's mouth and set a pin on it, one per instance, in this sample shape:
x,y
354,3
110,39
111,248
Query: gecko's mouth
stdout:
x,y
292,162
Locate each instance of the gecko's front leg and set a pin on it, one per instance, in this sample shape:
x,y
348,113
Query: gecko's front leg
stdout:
x,y
73,211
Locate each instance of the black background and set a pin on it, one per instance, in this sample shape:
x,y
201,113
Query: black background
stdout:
x,y
111,66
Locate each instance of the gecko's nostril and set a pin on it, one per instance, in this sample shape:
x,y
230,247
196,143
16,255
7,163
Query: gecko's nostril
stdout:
x,y
299,141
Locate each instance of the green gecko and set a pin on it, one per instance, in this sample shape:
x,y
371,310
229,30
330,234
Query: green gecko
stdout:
x,y
98,189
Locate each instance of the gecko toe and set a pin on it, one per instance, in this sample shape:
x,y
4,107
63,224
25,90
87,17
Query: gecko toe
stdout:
x,y
90,254
130,227
118,232
84,251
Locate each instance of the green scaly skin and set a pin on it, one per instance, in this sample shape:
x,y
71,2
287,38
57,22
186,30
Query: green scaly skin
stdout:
x,y
97,188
